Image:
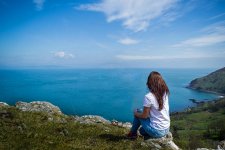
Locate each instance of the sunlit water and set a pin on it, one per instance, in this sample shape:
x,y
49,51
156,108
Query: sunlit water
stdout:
x,y
111,93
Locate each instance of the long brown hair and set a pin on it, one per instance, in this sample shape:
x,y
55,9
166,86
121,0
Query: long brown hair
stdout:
x,y
158,87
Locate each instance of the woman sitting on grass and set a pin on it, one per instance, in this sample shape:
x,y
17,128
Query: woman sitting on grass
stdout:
x,y
154,117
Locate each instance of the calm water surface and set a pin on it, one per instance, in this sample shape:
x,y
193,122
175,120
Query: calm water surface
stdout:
x,y
111,93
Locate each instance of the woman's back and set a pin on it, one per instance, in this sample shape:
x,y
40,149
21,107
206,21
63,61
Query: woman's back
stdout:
x,y
154,118
159,119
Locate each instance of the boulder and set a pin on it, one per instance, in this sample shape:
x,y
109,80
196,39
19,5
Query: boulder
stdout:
x,y
165,142
3,104
221,145
127,125
92,119
38,106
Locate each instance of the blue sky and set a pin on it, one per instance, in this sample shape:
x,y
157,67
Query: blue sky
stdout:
x,y
112,34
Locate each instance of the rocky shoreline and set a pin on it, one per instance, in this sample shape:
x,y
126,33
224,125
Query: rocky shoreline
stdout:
x,y
207,91
43,106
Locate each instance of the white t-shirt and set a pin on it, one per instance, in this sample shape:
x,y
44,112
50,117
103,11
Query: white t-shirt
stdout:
x,y
158,119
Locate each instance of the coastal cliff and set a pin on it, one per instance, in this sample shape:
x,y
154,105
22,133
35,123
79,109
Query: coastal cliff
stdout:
x,y
214,82
41,125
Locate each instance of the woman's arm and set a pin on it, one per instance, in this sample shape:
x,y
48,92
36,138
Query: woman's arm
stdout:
x,y
144,114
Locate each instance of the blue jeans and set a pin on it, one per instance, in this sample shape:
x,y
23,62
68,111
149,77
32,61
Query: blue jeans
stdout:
x,y
146,129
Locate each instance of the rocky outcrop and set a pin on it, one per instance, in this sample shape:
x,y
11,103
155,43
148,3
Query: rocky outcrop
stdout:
x,y
127,125
91,119
221,145
3,104
94,119
165,142
38,106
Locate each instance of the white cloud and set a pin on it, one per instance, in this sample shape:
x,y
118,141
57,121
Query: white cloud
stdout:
x,y
206,40
150,57
217,16
39,4
62,54
217,27
213,34
134,14
128,41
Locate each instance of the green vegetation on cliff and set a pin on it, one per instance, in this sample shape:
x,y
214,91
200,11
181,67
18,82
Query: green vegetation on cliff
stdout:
x,y
33,130
201,126
214,82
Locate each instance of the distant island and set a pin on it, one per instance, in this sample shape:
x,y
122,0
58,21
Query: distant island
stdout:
x,y
214,82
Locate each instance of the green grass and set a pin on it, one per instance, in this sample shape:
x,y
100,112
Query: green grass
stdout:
x,y
203,126
29,130
191,129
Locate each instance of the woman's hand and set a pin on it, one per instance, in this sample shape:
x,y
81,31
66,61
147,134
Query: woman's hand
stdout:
x,y
136,113
144,114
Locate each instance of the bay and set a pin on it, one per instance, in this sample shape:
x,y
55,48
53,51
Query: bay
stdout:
x,y
111,93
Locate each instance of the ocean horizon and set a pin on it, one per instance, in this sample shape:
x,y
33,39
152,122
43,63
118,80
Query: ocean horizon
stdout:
x,y
111,93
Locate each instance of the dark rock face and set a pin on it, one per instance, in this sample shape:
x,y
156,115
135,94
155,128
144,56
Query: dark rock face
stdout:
x,y
214,82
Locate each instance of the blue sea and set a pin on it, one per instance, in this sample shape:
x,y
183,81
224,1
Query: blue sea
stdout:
x,y
111,93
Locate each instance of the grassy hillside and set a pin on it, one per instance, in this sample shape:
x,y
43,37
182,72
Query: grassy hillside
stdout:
x,y
33,130
202,126
214,82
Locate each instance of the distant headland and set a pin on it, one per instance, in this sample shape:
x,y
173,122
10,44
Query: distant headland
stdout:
x,y
213,82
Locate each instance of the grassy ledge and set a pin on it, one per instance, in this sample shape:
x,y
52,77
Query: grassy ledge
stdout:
x,y
33,130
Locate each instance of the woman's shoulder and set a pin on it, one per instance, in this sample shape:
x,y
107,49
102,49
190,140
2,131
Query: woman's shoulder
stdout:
x,y
149,95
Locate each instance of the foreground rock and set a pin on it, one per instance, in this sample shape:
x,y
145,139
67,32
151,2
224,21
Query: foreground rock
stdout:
x,y
38,106
165,142
91,119
220,146
3,104
127,125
